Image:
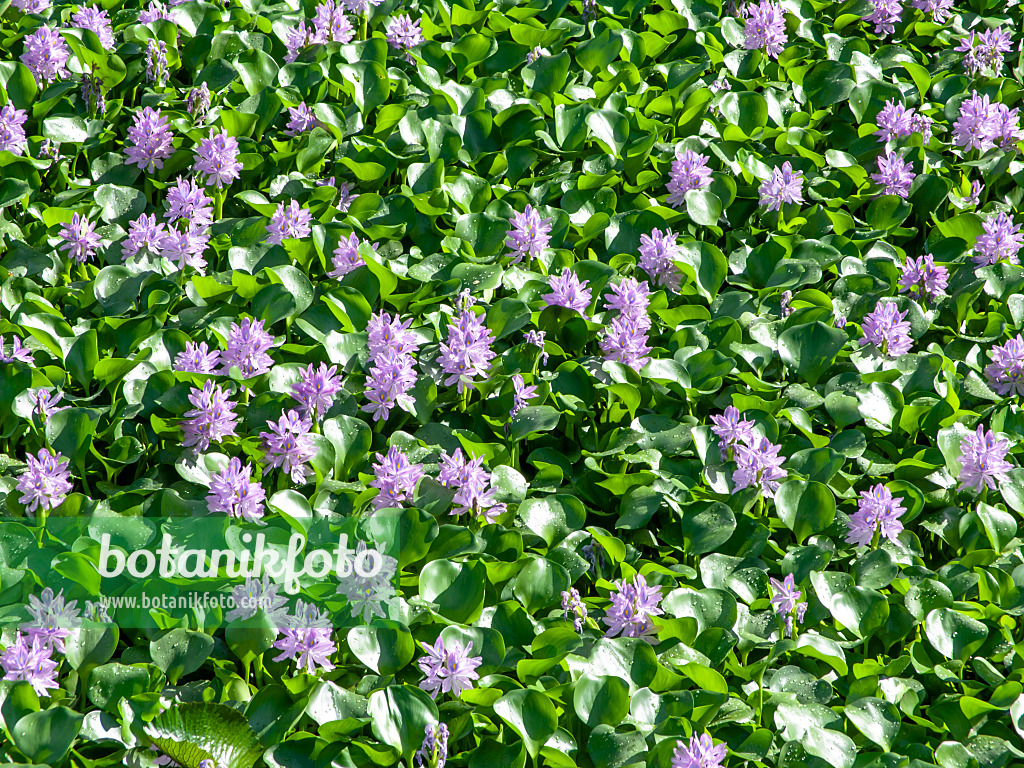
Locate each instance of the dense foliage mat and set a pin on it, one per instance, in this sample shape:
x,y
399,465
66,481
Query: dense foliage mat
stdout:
x,y
662,358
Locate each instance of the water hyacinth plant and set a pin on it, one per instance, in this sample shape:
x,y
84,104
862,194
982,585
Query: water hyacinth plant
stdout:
x,y
573,384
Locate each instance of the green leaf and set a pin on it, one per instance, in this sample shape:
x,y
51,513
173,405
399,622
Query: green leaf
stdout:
x,y
399,714
110,682
707,266
609,127
256,69
553,517
385,647
747,110
370,83
707,525
70,433
547,74
806,507
18,83
877,719
192,732
704,207
540,584
601,699
457,588
47,736
119,204
532,420
953,634
180,652
887,212
811,349
861,610
596,54
531,714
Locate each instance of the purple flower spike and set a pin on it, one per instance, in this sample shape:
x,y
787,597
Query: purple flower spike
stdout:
x,y
198,103
307,640
197,358
46,482
46,55
150,140
301,120
894,175
297,39
1005,374
732,431
393,374
347,257
574,608
625,341
396,478
12,132
360,6
894,121
154,12
887,330
189,202
96,20
568,291
939,9
885,16
217,157
433,753
786,602
448,668
1001,241
986,51
403,33
478,499
467,354
633,606
785,186
156,62
456,470
759,464
977,125
386,332
765,28
80,239
30,661
537,339
983,460
289,446
316,389
185,248
32,6
247,347
521,393
331,25
922,278
529,234
211,420
53,620
45,404
877,511
232,491
289,222
1007,127
689,171
18,352
658,254
701,753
